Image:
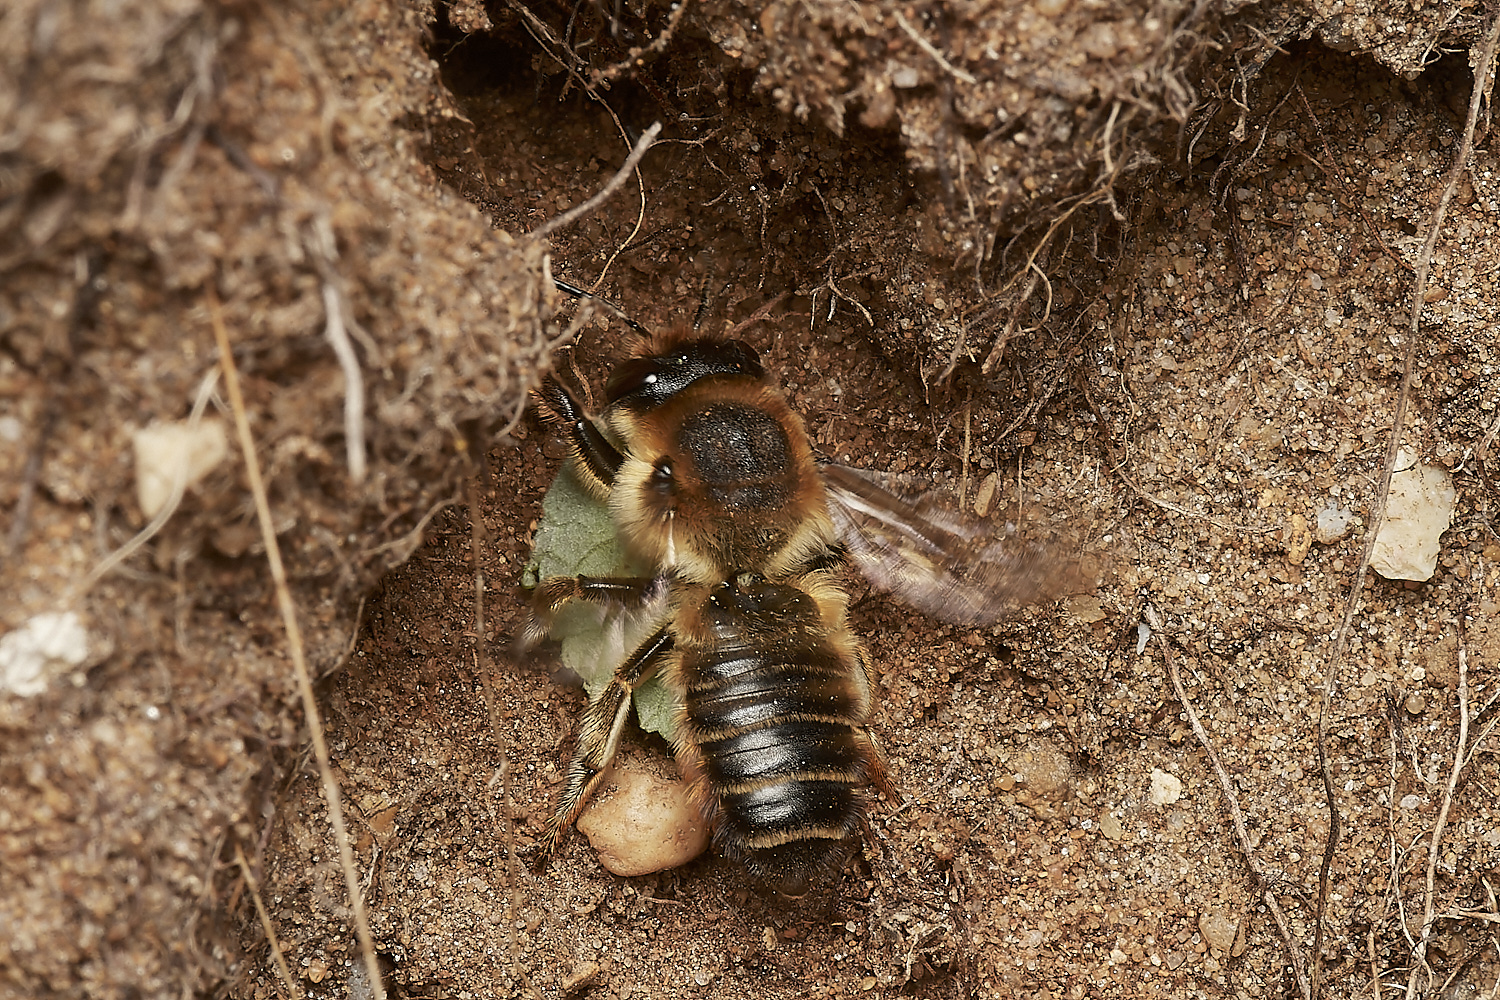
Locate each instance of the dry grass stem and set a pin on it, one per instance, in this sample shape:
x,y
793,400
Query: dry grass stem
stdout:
x,y
505,829
481,650
755,317
932,50
294,647
407,543
354,383
1420,969
638,54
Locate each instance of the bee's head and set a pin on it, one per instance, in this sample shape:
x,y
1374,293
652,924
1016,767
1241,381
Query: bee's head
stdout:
x,y
669,365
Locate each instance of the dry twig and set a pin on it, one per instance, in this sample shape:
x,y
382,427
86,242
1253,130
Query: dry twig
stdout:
x,y
265,925
1263,884
637,55
1419,966
505,828
354,383
579,211
295,649
933,51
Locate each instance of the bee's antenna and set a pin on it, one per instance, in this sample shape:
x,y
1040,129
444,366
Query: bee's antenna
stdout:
x,y
706,298
703,301
580,293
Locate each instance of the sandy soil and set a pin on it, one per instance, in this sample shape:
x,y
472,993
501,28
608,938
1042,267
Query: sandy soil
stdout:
x,y
1209,355
1187,426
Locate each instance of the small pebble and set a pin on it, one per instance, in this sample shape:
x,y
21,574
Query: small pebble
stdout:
x,y
1045,777
1298,539
167,454
1165,788
986,495
1332,524
582,975
1218,930
642,823
1418,510
1086,608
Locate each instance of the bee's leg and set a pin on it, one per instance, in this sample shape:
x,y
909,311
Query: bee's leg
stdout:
x,y
831,558
630,593
869,746
595,459
599,732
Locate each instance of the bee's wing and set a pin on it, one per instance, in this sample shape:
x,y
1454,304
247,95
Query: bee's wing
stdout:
x,y
948,565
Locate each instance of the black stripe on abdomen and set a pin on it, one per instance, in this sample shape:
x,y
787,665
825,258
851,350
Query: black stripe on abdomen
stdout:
x,y
780,751
768,693
780,810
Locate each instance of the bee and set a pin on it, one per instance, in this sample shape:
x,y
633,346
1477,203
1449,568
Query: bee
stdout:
x,y
710,478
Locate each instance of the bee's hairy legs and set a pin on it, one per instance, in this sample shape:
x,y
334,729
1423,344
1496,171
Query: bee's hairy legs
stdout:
x,y
599,732
628,593
595,459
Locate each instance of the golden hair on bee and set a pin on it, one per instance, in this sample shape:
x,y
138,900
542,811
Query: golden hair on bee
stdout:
x,y
663,341
719,476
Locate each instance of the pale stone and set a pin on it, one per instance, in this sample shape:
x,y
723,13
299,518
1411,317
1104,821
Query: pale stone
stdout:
x,y
46,645
1332,524
641,822
1418,510
1218,930
986,495
1165,788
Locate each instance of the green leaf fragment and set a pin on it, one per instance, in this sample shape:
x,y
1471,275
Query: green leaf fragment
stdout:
x,y
576,537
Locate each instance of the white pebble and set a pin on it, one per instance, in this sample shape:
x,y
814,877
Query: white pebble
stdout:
x,y
1333,524
168,453
47,644
1165,788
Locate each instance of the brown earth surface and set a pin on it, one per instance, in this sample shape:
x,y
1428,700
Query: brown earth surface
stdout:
x,y
1218,366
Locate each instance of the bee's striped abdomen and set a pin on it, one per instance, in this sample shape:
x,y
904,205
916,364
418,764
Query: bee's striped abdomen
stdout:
x,y
774,711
